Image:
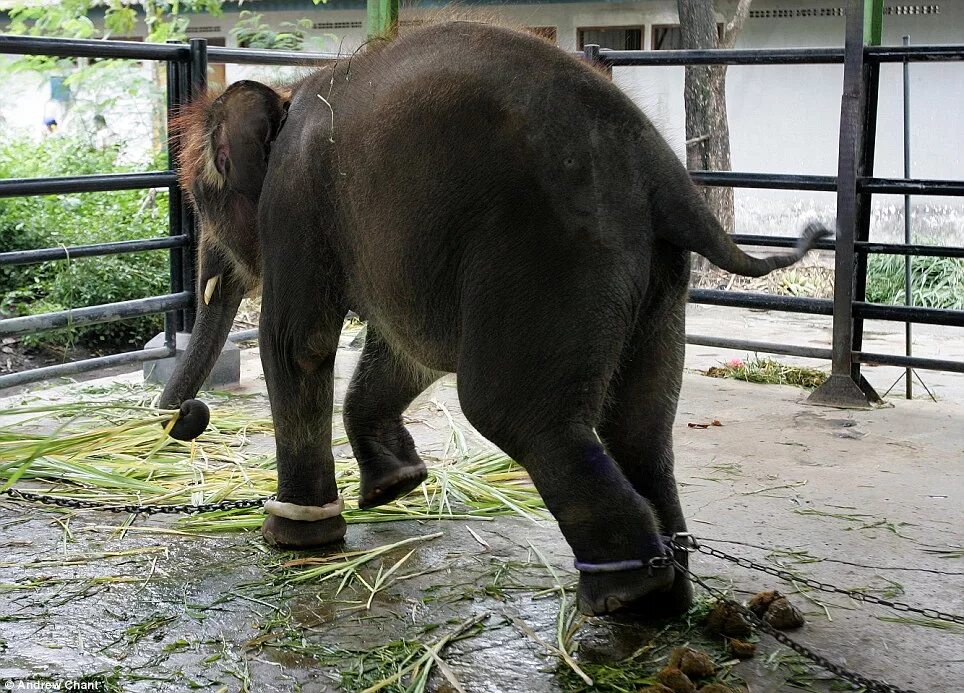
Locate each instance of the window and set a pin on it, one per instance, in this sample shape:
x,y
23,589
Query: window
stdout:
x,y
667,37
620,38
546,32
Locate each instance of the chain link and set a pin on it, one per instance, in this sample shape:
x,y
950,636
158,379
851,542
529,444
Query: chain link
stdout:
x,y
868,684
827,587
136,508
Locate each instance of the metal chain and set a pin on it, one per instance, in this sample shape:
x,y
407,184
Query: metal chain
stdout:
x,y
136,508
690,545
868,684
827,587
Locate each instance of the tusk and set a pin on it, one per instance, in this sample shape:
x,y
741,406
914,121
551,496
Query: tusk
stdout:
x,y
209,289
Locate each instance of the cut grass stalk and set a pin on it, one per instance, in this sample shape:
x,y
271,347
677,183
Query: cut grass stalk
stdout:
x,y
769,371
119,455
420,667
344,565
567,622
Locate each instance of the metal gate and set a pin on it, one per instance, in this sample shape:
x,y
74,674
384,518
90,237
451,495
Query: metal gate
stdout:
x,y
854,185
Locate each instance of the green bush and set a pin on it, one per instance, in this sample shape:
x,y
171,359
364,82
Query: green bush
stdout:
x,y
55,220
936,282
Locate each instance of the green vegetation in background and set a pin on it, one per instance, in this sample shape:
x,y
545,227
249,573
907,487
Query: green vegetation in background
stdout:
x,y
80,219
252,32
936,282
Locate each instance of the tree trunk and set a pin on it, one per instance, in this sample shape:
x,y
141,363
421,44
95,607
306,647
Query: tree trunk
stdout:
x,y
704,96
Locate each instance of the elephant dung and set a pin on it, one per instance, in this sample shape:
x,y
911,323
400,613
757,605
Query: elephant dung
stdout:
x,y
741,649
675,680
715,688
656,688
693,663
724,619
776,610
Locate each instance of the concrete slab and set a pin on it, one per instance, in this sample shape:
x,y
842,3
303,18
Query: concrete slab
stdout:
x,y
875,494
225,373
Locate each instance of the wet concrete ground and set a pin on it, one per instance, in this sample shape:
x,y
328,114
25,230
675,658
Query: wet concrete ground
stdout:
x,y
779,482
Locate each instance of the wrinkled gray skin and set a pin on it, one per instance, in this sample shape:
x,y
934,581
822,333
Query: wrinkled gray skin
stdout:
x,y
494,208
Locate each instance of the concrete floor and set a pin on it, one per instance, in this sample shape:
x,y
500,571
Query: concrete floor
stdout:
x,y
879,492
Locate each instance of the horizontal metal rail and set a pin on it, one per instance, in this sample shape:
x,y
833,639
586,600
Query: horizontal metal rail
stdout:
x,y
783,181
135,50
91,48
63,370
765,347
761,301
914,54
909,249
778,241
825,354
98,182
92,315
915,249
729,56
780,56
824,306
32,257
909,362
915,314
249,56
769,181
911,186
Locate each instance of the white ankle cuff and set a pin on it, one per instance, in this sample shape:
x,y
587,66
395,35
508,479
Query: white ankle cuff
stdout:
x,y
304,513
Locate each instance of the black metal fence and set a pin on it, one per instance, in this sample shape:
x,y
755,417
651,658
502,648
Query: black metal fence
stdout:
x,y
854,185
187,67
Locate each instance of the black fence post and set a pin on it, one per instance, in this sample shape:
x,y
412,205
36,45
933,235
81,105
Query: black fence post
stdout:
x,y
195,81
871,91
840,389
173,320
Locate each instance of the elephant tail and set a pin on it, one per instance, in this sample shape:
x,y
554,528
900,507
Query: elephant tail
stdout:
x,y
682,218
720,249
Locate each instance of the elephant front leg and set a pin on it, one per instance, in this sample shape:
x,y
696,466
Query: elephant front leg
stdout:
x,y
299,371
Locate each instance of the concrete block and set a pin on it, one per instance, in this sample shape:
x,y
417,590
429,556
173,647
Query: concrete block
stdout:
x,y
226,371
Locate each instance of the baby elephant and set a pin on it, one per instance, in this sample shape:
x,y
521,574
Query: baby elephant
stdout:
x,y
495,208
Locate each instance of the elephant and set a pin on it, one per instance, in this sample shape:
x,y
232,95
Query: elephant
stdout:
x,y
493,207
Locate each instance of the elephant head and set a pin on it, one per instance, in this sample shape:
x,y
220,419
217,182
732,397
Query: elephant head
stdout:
x,y
225,144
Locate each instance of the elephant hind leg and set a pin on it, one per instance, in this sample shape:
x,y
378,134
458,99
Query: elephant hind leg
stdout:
x,y
539,400
383,386
637,425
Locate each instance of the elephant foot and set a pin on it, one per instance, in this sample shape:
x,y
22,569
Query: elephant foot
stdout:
x,y
389,479
299,534
661,594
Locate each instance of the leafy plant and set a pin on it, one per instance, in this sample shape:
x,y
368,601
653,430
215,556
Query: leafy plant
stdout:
x,y
936,282
67,220
768,371
252,32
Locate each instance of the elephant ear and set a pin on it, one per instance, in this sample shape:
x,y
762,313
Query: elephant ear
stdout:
x,y
242,123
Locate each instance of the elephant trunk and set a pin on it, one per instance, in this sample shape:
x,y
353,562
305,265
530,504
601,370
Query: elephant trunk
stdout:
x,y
217,307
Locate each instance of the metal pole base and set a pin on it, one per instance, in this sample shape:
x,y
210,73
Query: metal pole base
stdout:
x,y
842,392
